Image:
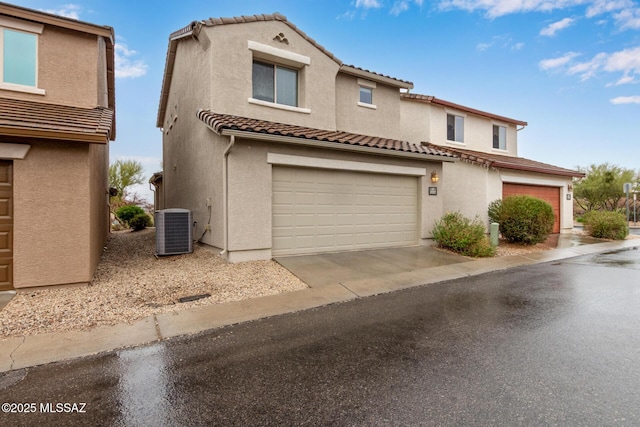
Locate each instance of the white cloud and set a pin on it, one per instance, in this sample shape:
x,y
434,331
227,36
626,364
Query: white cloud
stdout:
x,y
496,8
551,29
628,19
517,46
126,65
607,6
549,64
368,4
68,11
483,46
626,62
626,100
399,7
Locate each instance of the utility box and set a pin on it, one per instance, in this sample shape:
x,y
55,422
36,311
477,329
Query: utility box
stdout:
x,y
174,233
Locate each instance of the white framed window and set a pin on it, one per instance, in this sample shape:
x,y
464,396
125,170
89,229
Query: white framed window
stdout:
x,y
499,137
19,55
274,83
455,128
366,95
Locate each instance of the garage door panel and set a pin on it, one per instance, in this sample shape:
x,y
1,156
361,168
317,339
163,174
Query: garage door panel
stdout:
x,y
325,210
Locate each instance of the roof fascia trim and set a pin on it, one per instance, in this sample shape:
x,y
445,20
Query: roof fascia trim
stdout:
x,y
346,69
330,145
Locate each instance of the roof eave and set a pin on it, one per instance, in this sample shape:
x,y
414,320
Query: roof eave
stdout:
x,y
347,69
546,171
60,21
328,144
93,138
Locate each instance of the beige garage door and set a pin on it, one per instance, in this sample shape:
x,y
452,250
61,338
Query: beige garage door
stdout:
x,y
318,210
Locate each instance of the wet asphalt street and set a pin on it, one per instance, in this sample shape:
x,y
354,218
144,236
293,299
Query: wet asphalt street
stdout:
x,y
551,344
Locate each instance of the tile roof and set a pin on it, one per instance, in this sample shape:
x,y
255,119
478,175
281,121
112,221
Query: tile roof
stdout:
x,y
52,121
428,99
221,122
505,162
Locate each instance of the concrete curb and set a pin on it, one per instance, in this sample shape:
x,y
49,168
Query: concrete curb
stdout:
x,y
16,353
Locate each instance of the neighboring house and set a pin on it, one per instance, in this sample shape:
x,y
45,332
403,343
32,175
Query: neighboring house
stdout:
x,y
279,148
57,107
490,169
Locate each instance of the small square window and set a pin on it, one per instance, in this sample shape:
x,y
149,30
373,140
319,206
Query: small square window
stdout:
x,y
366,95
455,128
499,137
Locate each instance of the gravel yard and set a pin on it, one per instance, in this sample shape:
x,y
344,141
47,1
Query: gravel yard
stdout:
x,y
130,283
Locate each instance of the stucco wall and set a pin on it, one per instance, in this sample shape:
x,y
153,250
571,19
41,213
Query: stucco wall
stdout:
x,y
229,83
382,121
415,122
52,207
467,188
478,131
192,154
67,69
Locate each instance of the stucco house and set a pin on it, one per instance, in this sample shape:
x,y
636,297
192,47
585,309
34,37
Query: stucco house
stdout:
x,y
57,106
489,168
279,148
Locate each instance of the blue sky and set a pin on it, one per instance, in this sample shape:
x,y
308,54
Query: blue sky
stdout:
x,y
570,68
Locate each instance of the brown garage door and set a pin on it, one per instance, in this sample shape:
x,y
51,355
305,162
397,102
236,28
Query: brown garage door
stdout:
x,y
6,225
550,195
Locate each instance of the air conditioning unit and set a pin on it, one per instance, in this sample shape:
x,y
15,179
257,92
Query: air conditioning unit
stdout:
x,y
174,233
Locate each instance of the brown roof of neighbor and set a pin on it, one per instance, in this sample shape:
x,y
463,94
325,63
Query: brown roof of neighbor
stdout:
x,y
221,122
30,119
505,162
84,27
428,99
194,28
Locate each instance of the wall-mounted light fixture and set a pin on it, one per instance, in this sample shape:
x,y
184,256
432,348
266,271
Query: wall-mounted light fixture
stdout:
x,y
434,177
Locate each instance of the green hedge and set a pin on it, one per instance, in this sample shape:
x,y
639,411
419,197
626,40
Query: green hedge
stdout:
x,y
460,234
126,213
522,219
606,224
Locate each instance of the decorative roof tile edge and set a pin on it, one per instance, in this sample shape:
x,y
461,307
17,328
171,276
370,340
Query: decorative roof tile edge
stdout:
x,y
485,160
221,122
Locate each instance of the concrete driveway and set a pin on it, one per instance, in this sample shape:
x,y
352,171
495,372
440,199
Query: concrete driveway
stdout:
x,y
332,268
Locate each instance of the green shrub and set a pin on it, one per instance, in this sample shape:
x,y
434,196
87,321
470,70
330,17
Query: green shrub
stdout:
x,y
140,222
126,213
458,233
606,224
495,208
523,219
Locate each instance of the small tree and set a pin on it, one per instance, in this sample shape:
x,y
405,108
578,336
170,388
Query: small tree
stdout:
x,y
124,174
601,188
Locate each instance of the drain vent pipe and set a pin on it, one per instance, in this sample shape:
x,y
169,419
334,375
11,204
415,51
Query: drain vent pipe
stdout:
x,y
225,195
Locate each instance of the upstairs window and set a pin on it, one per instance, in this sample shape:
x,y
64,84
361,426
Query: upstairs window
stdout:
x,y
455,128
366,95
274,83
499,137
19,55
